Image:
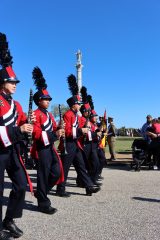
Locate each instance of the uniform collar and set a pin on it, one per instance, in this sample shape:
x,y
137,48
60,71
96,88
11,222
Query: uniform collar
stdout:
x,y
7,97
44,110
74,111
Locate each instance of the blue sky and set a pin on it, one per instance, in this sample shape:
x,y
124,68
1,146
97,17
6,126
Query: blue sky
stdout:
x,y
120,44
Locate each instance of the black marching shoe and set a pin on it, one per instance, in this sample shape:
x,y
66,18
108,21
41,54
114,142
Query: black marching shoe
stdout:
x,y
47,210
92,189
100,177
12,228
5,235
97,183
62,194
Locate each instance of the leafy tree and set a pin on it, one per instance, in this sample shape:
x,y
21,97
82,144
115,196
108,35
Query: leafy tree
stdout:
x,y
55,110
122,131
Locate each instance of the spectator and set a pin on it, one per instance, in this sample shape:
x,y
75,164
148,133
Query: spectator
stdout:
x,y
111,138
145,127
154,147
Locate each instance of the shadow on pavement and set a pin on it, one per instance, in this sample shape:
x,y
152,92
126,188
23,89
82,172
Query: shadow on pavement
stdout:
x,y
125,152
72,193
146,199
33,180
33,175
71,185
71,178
119,166
28,205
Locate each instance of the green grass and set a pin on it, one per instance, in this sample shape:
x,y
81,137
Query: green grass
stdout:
x,y
123,144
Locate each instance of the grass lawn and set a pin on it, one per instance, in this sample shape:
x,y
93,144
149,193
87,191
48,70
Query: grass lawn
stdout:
x,y
123,144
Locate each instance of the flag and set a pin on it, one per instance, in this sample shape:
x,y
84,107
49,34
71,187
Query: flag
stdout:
x,y
105,117
104,123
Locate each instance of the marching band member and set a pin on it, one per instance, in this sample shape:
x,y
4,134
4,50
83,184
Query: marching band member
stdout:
x,y
45,133
73,131
92,159
12,126
96,143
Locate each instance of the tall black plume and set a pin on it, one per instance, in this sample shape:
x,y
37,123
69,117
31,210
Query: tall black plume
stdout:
x,y
72,84
90,101
39,80
5,56
84,94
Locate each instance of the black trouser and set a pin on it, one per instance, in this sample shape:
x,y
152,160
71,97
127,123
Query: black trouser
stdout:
x,y
102,158
9,160
48,172
92,160
154,149
74,155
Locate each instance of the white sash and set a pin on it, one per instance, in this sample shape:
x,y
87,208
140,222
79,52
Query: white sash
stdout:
x,y
4,136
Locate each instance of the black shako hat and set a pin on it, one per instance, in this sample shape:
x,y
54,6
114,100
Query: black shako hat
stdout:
x,y
73,87
6,72
93,113
76,99
41,86
85,108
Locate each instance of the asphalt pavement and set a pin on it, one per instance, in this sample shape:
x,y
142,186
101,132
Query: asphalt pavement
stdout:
x,y
127,207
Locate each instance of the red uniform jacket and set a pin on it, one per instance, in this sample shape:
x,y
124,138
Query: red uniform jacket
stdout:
x,y
44,134
11,117
44,128
72,128
91,130
94,128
